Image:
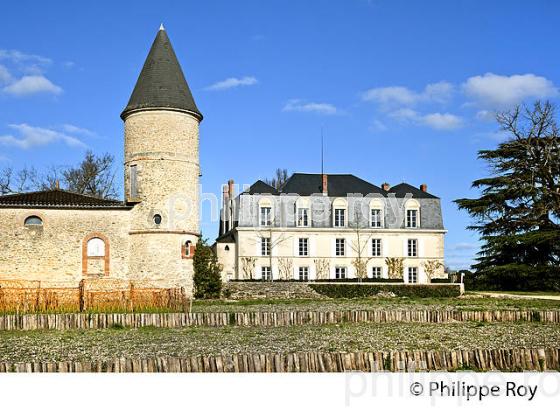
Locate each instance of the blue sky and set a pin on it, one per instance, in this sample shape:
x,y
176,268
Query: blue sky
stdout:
x,y
405,90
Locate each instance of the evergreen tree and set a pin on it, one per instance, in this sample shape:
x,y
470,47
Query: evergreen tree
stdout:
x,y
207,275
518,211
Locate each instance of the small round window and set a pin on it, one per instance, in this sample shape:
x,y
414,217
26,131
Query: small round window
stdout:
x,y
33,221
157,219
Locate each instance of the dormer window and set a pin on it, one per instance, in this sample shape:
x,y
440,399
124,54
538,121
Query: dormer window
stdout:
x,y
412,218
339,213
302,217
412,215
265,212
339,217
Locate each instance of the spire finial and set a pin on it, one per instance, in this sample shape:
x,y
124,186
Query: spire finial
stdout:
x,y
161,27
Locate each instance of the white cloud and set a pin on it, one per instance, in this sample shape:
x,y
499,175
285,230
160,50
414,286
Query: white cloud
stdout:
x,y
494,92
73,129
436,120
5,76
232,83
32,84
387,97
319,108
30,136
20,57
377,126
443,121
463,246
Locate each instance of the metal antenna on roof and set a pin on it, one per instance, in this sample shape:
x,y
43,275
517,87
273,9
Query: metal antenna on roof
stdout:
x,y
322,157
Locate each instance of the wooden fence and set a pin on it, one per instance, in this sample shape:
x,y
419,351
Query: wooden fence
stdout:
x,y
409,361
64,321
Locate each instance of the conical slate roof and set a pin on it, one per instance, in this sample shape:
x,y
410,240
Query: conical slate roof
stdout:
x,y
161,84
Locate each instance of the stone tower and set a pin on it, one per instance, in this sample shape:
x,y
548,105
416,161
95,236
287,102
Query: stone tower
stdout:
x,y
162,170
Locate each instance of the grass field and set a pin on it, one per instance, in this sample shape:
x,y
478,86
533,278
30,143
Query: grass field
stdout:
x,y
150,342
469,302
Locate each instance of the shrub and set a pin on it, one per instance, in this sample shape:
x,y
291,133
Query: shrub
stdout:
x,y
347,280
350,291
207,275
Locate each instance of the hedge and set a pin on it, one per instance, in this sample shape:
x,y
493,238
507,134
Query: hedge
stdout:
x,y
349,280
441,280
360,291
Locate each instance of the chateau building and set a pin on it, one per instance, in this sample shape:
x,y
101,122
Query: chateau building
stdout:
x,y
319,226
58,238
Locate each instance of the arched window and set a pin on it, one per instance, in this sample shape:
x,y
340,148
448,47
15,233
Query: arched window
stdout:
x,y
187,249
33,220
95,255
95,247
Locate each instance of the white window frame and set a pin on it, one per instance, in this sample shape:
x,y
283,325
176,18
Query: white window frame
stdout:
x,y
266,272
303,273
302,217
412,219
265,246
339,217
412,248
303,246
375,269
340,272
375,248
378,221
265,217
340,247
412,273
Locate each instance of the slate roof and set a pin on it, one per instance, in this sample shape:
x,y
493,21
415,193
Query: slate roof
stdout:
x,y
402,189
161,83
58,198
337,184
261,187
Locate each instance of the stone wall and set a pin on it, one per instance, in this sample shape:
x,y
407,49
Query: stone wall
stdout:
x,y
269,290
54,252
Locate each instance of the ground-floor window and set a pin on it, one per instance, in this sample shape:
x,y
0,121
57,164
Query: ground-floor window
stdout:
x,y
376,272
412,275
303,273
266,273
340,272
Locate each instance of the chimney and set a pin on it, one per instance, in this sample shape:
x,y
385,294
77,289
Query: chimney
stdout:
x,y
57,184
424,188
325,189
230,188
225,206
385,186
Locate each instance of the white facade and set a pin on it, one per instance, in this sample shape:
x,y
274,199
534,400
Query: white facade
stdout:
x,y
293,244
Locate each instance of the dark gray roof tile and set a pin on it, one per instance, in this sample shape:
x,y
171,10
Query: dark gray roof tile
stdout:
x,y
161,84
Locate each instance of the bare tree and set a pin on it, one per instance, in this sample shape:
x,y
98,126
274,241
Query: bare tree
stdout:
x,y
280,177
248,266
95,176
395,267
13,182
322,268
285,266
359,245
431,267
